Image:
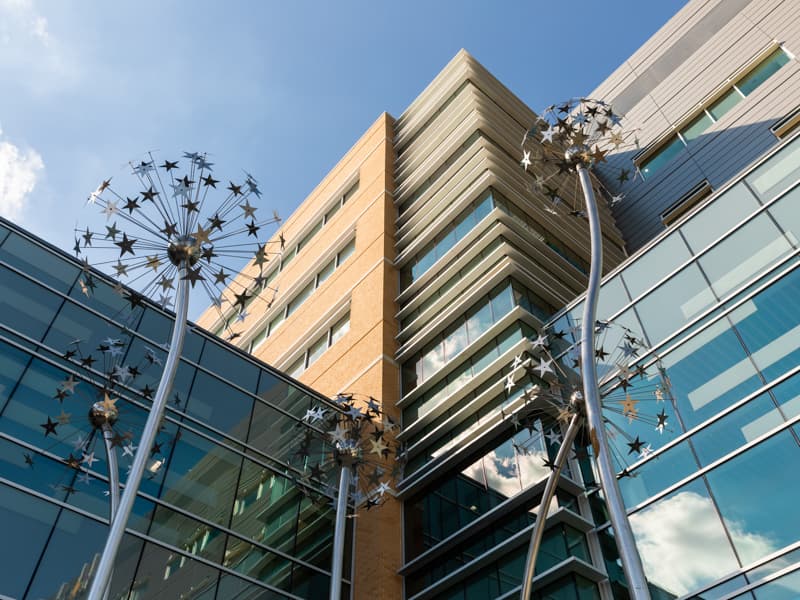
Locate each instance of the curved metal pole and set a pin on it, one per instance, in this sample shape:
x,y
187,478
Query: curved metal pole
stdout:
x,y
119,520
113,479
544,505
339,534
623,534
113,469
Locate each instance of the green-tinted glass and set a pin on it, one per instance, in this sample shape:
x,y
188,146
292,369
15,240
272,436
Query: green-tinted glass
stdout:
x,y
762,71
696,127
665,154
728,100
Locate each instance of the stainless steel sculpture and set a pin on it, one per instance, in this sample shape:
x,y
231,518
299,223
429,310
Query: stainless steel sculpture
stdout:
x,y
573,136
188,248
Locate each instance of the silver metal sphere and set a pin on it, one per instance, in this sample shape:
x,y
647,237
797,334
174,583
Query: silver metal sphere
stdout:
x,y
184,250
347,454
100,414
577,154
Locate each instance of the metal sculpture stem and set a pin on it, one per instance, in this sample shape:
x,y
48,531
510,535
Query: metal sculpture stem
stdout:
x,y
113,469
339,533
623,534
544,506
113,479
120,519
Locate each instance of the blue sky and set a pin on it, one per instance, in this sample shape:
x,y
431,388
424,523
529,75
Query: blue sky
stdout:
x,y
281,89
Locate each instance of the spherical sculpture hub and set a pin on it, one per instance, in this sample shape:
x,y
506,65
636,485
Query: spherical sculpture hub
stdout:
x,y
184,251
577,154
100,414
347,454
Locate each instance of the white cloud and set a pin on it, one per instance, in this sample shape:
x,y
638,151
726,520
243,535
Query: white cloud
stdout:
x,y
21,20
19,171
683,545
30,55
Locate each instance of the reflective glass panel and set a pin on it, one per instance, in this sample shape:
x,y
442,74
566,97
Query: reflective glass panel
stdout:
x,y
279,393
744,254
188,534
26,307
73,547
787,394
37,262
662,156
783,588
736,429
709,372
455,339
201,478
677,536
317,349
655,264
787,215
777,173
326,272
769,324
765,69
674,303
657,474
232,588
164,573
220,405
718,217
612,298
28,522
229,365
728,100
756,493
696,127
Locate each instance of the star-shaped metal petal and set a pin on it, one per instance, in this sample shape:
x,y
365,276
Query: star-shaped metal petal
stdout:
x,y
126,245
49,427
636,445
249,211
193,276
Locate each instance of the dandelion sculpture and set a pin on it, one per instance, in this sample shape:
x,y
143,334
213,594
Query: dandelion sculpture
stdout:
x,y
160,241
104,375
572,137
358,441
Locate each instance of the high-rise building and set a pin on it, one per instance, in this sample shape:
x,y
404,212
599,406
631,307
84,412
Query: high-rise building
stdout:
x,y
457,260
414,273
225,510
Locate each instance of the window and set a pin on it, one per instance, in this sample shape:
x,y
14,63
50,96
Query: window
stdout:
x,y
670,150
723,102
763,71
300,298
346,252
307,237
303,295
326,271
463,332
349,193
447,238
340,328
320,345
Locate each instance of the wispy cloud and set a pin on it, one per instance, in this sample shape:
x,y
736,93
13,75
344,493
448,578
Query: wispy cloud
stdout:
x,y
21,20
19,172
30,55
683,544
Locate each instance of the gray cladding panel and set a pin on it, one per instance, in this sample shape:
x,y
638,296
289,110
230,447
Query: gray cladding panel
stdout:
x,y
726,36
679,51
